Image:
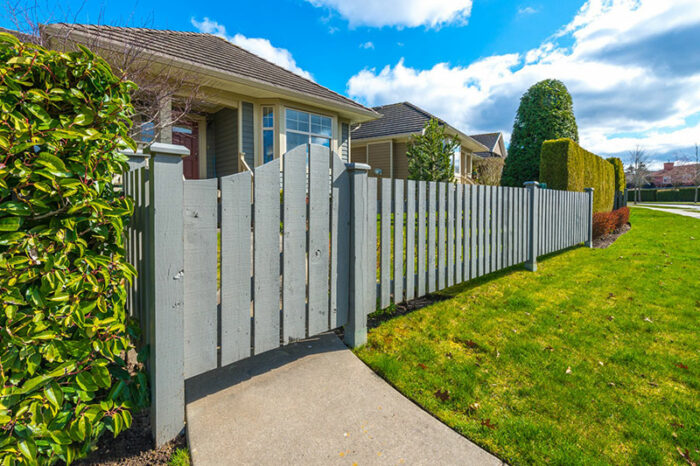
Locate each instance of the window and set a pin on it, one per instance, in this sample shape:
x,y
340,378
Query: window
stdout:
x,y
305,128
268,130
457,161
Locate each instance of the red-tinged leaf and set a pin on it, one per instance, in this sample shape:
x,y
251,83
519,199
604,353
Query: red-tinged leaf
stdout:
x,y
682,366
422,366
487,423
442,395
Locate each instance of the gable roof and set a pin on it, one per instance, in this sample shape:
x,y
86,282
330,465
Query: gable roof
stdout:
x,y
401,119
210,51
488,139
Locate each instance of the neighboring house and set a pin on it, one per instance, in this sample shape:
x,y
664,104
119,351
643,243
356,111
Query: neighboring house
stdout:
x,y
495,144
675,175
246,110
382,143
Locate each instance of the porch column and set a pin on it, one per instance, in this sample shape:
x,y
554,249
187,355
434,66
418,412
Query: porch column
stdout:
x,y
165,117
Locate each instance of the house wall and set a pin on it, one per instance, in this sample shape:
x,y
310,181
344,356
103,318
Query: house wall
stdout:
x,y
358,154
248,133
400,160
225,142
344,142
379,157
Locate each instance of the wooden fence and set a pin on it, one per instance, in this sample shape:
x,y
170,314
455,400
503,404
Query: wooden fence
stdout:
x,y
235,266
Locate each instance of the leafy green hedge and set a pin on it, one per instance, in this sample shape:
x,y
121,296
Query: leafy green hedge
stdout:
x,y
665,195
620,181
64,331
567,166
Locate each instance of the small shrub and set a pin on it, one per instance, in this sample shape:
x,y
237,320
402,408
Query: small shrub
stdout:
x,y
605,223
64,331
488,170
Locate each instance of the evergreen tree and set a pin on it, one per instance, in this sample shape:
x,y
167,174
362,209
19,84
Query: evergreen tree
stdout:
x,y
430,154
545,112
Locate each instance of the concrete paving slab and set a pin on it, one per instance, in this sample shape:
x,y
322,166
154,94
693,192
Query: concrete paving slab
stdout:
x,y
314,402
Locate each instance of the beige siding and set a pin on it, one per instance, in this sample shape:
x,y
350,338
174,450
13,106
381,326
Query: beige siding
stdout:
x,y
400,160
358,154
379,157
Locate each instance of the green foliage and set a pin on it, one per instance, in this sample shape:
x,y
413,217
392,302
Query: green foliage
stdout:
x,y
620,181
660,195
546,112
567,166
488,170
181,457
430,154
64,331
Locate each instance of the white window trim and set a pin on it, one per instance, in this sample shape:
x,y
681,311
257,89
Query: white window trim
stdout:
x,y
333,138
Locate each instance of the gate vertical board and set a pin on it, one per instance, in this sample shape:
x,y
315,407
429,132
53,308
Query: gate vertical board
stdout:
x,y
422,186
450,234
319,267
236,261
294,245
385,255
340,243
398,241
473,210
266,221
499,222
410,239
480,229
200,311
459,216
441,240
432,239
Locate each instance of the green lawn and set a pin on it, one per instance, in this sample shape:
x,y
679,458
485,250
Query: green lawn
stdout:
x,y
593,359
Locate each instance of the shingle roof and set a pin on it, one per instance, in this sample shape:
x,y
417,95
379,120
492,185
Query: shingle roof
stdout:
x,y
487,139
214,52
399,118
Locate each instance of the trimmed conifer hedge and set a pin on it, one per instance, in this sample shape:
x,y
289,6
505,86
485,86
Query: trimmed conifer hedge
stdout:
x,y
620,181
567,166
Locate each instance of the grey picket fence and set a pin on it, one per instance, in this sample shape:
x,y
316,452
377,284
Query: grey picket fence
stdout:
x,y
239,265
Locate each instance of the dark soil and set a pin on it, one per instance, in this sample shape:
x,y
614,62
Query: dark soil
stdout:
x,y
133,447
605,241
375,319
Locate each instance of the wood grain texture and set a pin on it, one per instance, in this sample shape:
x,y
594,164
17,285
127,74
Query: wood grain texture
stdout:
x,y
398,241
459,238
385,255
319,254
340,243
421,247
432,236
410,239
442,235
267,256
200,249
236,267
450,234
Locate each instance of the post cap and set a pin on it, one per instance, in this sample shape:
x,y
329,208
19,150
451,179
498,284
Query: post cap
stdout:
x,y
131,153
588,190
531,183
167,149
357,167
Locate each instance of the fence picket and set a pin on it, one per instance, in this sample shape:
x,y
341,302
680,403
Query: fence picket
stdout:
x,y
422,186
200,311
370,303
294,245
450,234
410,239
340,243
236,246
432,238
398,241
319,266
459,242
473,222
385,244
441,239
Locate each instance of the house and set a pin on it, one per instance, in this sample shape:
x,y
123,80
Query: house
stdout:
x,y
383,143
495,144
246,111
676,175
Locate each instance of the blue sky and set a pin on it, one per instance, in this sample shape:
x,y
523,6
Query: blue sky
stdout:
x,y
632,66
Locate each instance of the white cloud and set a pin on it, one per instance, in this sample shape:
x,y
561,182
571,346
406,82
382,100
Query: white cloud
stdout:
x,y
367,45
400,13
632,68
528,10
259,46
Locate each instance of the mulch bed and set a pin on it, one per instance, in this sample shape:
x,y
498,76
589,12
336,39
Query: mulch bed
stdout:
x,y
133,447
605,241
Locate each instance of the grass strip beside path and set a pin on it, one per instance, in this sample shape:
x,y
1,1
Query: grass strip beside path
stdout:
x,y
593,359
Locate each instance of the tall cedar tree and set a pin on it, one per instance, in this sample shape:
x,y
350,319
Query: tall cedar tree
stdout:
x,y
430,154
545,112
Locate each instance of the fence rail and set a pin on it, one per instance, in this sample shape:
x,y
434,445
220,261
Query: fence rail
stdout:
x,y
235,266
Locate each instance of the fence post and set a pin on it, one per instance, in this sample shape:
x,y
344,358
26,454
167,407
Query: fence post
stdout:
x,y
166,283
360,260
533,189
589,243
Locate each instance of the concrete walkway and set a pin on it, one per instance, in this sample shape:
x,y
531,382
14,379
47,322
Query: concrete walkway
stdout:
x,y
314,402
685,213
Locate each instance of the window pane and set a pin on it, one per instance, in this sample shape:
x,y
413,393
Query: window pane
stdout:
x,y
297,121
321,125
457,160
322,141
268,117
268,145
296,139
